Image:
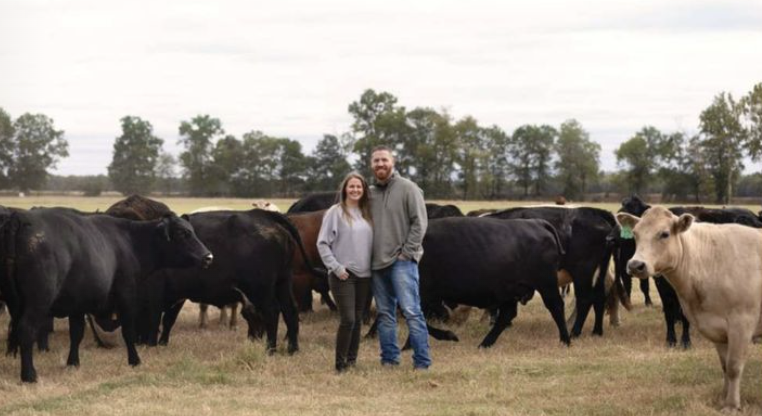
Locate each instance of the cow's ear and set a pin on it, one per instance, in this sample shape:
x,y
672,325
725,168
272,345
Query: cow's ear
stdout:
x,y
626,220
185,217
683,223
163,228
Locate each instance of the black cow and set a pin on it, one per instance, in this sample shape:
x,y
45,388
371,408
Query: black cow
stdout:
x,y
670,304
9,225
434,211
323,200
585,238
136,207
314,202
491,263
254,253
70,264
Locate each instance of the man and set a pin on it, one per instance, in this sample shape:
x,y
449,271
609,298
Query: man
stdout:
x,y
399,224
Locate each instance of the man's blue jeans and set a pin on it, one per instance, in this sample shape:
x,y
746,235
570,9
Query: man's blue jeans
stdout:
x,y
395,284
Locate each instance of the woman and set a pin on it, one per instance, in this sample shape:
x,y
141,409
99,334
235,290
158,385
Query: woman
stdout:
x,y
345,243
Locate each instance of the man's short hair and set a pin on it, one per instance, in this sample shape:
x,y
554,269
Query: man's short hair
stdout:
x,y
382,147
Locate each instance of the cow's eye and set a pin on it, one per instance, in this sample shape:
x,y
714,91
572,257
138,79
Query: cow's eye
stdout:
x,y
663,235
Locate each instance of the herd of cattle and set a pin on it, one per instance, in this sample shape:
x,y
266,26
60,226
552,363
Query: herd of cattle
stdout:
x,y
135,265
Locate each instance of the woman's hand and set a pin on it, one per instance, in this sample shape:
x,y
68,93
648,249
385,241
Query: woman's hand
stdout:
x,y
343,276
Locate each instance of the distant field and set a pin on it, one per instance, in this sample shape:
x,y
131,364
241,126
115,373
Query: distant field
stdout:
x,y
528,372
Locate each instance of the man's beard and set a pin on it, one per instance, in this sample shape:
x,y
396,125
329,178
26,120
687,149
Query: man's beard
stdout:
x,y
382,171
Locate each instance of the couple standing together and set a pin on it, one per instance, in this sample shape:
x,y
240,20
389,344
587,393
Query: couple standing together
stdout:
x,y
372,239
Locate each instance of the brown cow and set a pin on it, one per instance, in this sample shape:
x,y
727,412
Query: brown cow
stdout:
x,y
716,271
308,224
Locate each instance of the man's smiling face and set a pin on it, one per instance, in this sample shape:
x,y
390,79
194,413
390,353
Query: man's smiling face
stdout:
x,y
382,163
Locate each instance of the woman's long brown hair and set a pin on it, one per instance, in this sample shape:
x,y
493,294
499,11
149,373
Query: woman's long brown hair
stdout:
x,y
363,204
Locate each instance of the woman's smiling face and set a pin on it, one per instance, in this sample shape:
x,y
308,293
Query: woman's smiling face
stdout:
x,y
354,190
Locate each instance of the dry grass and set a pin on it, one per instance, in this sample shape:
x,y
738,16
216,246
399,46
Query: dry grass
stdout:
x,y
528,372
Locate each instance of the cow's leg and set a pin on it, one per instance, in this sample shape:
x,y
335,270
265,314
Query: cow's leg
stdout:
x,y
43,335
325,298
722,354
686,338
739,335
290,313
27,332
127,318
223,316
270,311
599,301
436,333
168,321
373,330
554,303
233,324
646,289
505,314
76,332
583,294
627,283
203,315
670,307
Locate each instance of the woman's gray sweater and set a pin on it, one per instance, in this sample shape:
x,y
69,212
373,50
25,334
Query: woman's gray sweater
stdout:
x,y
345,245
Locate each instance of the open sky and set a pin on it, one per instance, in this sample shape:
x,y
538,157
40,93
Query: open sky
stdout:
x,y
290,68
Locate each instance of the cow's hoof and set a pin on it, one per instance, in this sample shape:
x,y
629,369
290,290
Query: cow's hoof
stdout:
x,y
293,349
72,362
671,344
29,377
134,362
687,345
270,351
485,345
598,333
731,409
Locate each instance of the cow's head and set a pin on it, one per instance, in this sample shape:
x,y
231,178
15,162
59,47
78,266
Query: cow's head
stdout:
x,y
658,248
254,318
178,244
634,205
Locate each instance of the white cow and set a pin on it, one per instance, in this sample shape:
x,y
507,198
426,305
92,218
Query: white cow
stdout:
x,y
716,271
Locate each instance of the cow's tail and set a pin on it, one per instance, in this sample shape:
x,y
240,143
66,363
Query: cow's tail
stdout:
x,y
8,287
289,226
613,243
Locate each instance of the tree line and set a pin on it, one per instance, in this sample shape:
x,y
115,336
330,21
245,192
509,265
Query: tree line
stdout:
x,y
448,158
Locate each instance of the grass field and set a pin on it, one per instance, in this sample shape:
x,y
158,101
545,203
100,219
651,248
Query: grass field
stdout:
x,y
528,372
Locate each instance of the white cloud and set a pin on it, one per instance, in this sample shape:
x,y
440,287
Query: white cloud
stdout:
x,y
291,68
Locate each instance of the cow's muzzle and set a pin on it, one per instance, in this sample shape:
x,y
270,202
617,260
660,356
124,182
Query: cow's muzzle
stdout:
x,y
637,269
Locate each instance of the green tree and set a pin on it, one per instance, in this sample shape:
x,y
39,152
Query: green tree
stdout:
x,y
496,161
197,136
431,147
292,168
724,139
136,151
470,151
752,109
578,159
165,172
225,164
328,164
641,156
7,147
377,121
39,147
530,149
